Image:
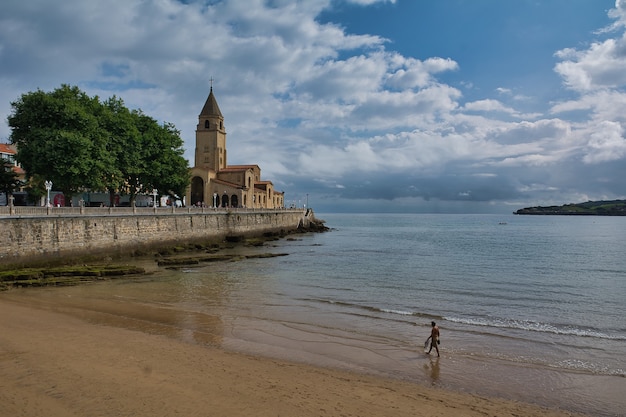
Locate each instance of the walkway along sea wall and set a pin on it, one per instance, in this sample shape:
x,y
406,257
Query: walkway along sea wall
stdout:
x,y
28,238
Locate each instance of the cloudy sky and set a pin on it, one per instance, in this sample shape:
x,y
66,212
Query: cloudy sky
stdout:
x,y
358,105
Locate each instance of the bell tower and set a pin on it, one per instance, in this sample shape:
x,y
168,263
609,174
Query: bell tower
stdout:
x,y
211,137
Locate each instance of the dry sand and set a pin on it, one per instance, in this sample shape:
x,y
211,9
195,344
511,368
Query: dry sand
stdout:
x,y
53,364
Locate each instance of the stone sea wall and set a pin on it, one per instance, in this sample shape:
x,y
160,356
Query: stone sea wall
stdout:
x,y
27,238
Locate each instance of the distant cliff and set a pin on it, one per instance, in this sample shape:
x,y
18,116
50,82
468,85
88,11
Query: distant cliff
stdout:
x,y
590,208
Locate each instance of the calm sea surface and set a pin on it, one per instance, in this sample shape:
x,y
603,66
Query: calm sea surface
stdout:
x,y
531,308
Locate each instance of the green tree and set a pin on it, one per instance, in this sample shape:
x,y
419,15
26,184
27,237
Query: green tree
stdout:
x,y
124,147
36,189
9,180
80,143
162,153
58,137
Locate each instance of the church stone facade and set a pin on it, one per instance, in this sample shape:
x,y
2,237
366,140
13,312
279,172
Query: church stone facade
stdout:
x,y
214,183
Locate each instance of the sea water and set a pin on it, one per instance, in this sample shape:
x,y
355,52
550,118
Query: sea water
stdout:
x,y
531,308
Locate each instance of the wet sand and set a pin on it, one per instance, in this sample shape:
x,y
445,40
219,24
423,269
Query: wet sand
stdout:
x,y
55,363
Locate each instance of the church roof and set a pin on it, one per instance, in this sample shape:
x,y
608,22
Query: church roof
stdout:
x,y
239,167
227,183
210,106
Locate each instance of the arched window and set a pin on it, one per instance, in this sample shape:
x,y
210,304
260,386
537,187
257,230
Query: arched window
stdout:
x,y
206,124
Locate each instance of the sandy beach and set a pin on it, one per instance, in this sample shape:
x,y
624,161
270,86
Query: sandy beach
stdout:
x,y
55,364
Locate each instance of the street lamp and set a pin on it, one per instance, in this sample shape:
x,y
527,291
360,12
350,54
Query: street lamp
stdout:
x,y
48,185
154,193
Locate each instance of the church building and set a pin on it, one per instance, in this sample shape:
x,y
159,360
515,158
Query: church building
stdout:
x,y
214,183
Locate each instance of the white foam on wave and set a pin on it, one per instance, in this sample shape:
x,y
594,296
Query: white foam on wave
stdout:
x,y
532,326
400,312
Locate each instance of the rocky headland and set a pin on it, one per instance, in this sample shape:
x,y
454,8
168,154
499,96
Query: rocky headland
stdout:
x,y
590,208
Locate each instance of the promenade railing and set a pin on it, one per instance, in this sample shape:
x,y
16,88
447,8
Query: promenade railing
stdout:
x,y
32,211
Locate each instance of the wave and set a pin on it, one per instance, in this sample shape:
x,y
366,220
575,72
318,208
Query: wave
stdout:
x,y
376,309
526,325
571,365
583,366
534,326
400,312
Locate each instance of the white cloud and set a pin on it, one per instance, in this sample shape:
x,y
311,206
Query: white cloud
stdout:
x,y
414,73
619,14
600,66
487,105
606,143
316,106
600,105
495,106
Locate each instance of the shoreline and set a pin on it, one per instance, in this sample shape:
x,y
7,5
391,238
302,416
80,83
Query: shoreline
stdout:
x,y
57,364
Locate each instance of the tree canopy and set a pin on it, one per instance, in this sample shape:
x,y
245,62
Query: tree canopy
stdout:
x,y
83,144
9,180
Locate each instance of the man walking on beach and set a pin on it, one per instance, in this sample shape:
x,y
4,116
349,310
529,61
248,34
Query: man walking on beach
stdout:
x,y
434,338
